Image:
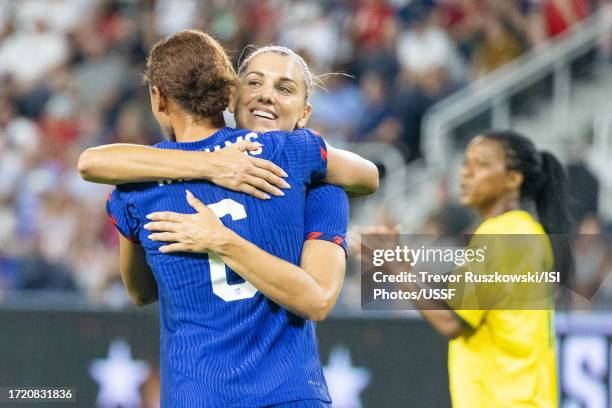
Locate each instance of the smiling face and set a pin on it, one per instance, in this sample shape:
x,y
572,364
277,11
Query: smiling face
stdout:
x,y
484,176
271,94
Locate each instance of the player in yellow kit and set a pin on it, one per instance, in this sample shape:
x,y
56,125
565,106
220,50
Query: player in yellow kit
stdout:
x,y
506,358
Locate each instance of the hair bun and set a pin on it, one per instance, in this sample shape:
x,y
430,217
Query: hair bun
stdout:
x,y
204,93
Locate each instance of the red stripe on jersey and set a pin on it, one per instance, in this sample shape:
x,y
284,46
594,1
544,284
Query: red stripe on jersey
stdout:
x,y
338,240
314,235
113,220
323,153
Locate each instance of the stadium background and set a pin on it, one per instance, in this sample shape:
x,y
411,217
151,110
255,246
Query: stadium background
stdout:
x,y
427,75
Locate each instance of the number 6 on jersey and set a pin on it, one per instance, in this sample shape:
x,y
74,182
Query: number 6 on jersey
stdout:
x,y
218,275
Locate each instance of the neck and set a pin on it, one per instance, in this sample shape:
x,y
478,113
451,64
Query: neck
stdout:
x,y
189,129
501,205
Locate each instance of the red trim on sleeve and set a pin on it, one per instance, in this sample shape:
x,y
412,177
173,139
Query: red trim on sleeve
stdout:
x,y
314,235
338,240
323,153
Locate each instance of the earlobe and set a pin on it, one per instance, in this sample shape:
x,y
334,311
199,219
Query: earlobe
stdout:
x,y
162,104
232,101
157,100
305,116
516,179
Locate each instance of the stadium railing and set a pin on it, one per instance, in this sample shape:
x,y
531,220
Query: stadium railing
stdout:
x,y
602,154
493,92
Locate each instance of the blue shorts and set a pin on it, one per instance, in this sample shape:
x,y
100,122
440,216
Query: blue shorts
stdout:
x,y
312,403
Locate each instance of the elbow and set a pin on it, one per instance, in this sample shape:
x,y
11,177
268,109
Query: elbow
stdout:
x,y
143,300
85,165
451,329
375,180
371,184
320,309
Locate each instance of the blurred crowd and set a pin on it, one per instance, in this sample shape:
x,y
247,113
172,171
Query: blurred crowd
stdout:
x,y
70,78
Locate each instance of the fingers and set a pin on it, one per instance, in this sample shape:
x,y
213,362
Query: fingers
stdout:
x,y
250,190
195,203
162,226
248,146
271,167
270,177
263,185
165,216
165,237
177,247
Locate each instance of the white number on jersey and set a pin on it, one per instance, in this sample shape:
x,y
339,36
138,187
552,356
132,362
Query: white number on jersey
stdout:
x,y
218,275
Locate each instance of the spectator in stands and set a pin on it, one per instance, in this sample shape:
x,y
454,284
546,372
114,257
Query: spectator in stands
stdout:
x,y
377,122
593,263
583,192
501,36
427,56
371,20
557,16
336,107
430,69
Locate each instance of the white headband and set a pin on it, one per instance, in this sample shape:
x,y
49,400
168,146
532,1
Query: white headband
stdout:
x,y
283,51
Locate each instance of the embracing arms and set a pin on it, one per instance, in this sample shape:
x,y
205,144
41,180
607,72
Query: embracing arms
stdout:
x,y
351,172
309,290
229,168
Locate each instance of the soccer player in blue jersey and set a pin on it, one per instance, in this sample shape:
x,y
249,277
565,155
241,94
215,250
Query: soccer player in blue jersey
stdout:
x,y
223,343
264,78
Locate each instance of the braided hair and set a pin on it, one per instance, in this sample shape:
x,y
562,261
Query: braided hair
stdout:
x,y
544,181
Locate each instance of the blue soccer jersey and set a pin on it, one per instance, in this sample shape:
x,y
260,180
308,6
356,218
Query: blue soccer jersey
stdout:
x,y
327,214
224,344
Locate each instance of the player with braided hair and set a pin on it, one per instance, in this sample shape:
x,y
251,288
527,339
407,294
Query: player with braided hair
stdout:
x,y
506,358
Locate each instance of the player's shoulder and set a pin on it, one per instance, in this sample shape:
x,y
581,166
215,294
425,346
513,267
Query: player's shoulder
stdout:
x,y
511,222
307,134
296,133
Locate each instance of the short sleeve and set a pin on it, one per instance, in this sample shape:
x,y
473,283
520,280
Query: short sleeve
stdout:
x,y
473,318
468,303
313,152
122,216
327,214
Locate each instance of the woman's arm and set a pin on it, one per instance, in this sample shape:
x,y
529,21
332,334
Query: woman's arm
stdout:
x,y
438,314
229,167
135,273
309,291
351,171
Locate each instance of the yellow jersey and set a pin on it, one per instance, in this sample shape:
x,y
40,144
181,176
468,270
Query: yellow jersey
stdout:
x,y
506,358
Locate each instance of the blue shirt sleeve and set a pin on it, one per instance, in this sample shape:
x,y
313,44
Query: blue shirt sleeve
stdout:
x,y
123,215
327,214
313,163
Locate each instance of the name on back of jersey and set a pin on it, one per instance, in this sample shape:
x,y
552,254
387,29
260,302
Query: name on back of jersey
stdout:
x,y
249,137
